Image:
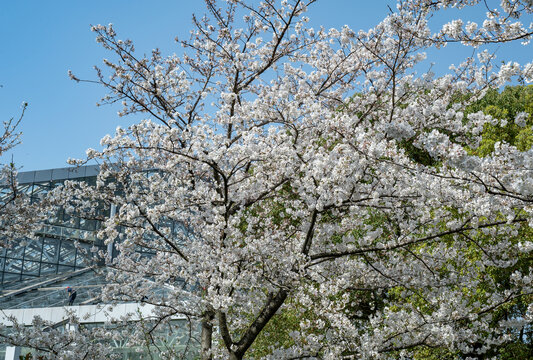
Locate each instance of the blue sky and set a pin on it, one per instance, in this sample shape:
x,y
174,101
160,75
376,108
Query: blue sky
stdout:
x,y
42,40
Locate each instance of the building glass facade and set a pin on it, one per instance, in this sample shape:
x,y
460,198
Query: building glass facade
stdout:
x,y
53,250
34,273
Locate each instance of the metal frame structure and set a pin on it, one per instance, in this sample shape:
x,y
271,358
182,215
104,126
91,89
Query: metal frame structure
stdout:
x,y
34,276
53,251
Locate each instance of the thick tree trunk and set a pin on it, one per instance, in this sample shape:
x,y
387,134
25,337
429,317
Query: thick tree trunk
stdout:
x,y
269,310
207,335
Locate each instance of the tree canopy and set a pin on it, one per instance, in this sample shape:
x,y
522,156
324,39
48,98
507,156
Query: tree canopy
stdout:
x,y
311,193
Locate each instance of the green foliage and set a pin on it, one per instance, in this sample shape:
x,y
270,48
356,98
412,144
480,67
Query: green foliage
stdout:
x,y
276,333
427,353
504,106
416,154
362,304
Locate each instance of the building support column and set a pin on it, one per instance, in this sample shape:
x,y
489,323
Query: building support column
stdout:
x,y
12,353
112,213
71,327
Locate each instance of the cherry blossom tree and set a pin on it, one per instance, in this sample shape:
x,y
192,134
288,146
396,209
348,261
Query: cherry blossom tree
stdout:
x,y
17,217
9,138
322,176
51,342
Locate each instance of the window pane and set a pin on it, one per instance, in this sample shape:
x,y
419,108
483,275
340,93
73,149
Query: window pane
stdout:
x,y
13,266
33,250
15,252
48,269
31,268
50,250
67,254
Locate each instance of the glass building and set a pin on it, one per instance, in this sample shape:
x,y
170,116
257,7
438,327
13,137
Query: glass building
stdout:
x,y
53,251
34,275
